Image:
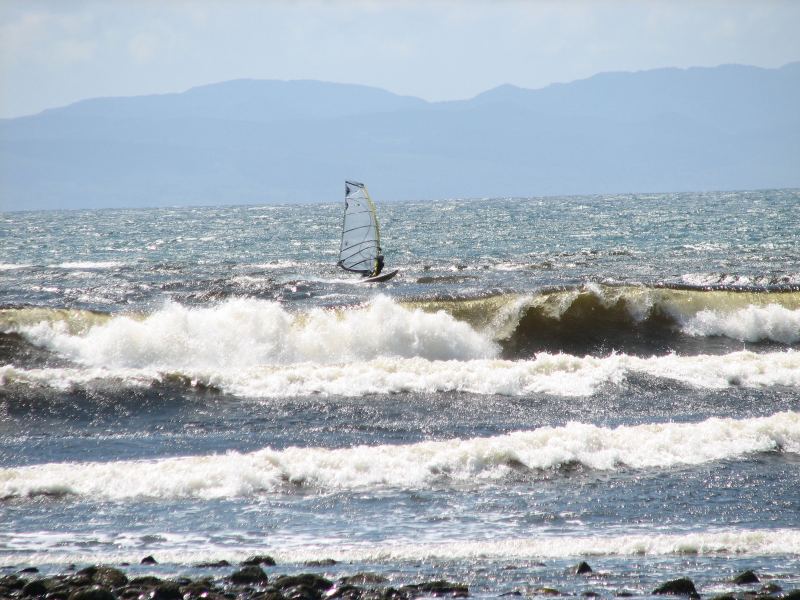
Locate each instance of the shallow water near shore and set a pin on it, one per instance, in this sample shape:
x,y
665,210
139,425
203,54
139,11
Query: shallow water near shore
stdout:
x,y
613,379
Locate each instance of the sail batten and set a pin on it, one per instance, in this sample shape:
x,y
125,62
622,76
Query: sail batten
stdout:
x,y
361,244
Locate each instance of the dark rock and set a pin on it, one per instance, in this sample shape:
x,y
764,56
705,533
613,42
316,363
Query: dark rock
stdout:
x,y
325,562
511,593
197,589
92,593
746,577
148,560
438,588
147,581
12,582
258,559
169,590
213,565
79,580
624,594
301,592
250,574
363,579
724,597
590,594
771,588
582,568
58,595
268,595
546,591
34,588
109,577
678,587
315,582
390,593
29,570
345,591
793,595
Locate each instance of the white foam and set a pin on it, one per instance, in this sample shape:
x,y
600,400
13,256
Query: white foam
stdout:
x,y
277,264
48,548
246,332
12,266
745,316
418,465
89,264
752,324
756,542
555,374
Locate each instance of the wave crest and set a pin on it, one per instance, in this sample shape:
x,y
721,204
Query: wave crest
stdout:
x,y
247,332
594,319
417,465
554,374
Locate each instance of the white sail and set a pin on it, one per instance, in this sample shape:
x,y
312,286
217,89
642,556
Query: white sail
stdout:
x,y
361,237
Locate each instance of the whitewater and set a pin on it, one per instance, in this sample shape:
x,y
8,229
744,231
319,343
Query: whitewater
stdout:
x,y
420,465
547,380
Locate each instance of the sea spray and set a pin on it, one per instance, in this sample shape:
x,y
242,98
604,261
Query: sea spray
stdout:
x,y
751,324
246,332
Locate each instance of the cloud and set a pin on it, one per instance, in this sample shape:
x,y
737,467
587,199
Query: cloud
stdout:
x,y
45,37
53,52
74,51
144,47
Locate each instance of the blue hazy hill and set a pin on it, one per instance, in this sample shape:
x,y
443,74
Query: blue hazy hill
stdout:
x,y
728,127
246,100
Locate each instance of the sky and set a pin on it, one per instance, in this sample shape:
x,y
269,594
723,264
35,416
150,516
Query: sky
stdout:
x,y
54,52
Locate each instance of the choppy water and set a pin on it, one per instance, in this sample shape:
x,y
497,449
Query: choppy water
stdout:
x,y
614,378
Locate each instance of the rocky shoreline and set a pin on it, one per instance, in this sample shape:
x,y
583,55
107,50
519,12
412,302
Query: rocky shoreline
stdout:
x,y
249,581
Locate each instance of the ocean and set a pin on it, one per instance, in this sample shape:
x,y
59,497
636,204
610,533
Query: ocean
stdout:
x,y
612,379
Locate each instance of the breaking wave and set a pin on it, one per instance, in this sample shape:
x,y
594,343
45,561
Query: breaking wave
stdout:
x,y
592,319
633,319
555,374
248,332
566,342
418,465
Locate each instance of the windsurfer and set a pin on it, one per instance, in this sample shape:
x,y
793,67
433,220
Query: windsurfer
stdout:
x,y
378,266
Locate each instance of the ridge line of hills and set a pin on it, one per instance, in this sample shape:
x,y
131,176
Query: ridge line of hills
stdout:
x,y
266,141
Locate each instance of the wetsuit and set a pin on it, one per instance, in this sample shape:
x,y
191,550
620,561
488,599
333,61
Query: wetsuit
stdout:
x,y
378,266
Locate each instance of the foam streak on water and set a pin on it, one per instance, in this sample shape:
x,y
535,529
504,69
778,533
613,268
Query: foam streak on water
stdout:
x,y
127,547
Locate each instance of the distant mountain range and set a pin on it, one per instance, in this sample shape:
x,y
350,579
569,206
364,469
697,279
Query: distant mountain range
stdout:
x,y
251,141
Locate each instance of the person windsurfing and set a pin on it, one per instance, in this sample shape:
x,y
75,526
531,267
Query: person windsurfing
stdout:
x,y
378,265
360,249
